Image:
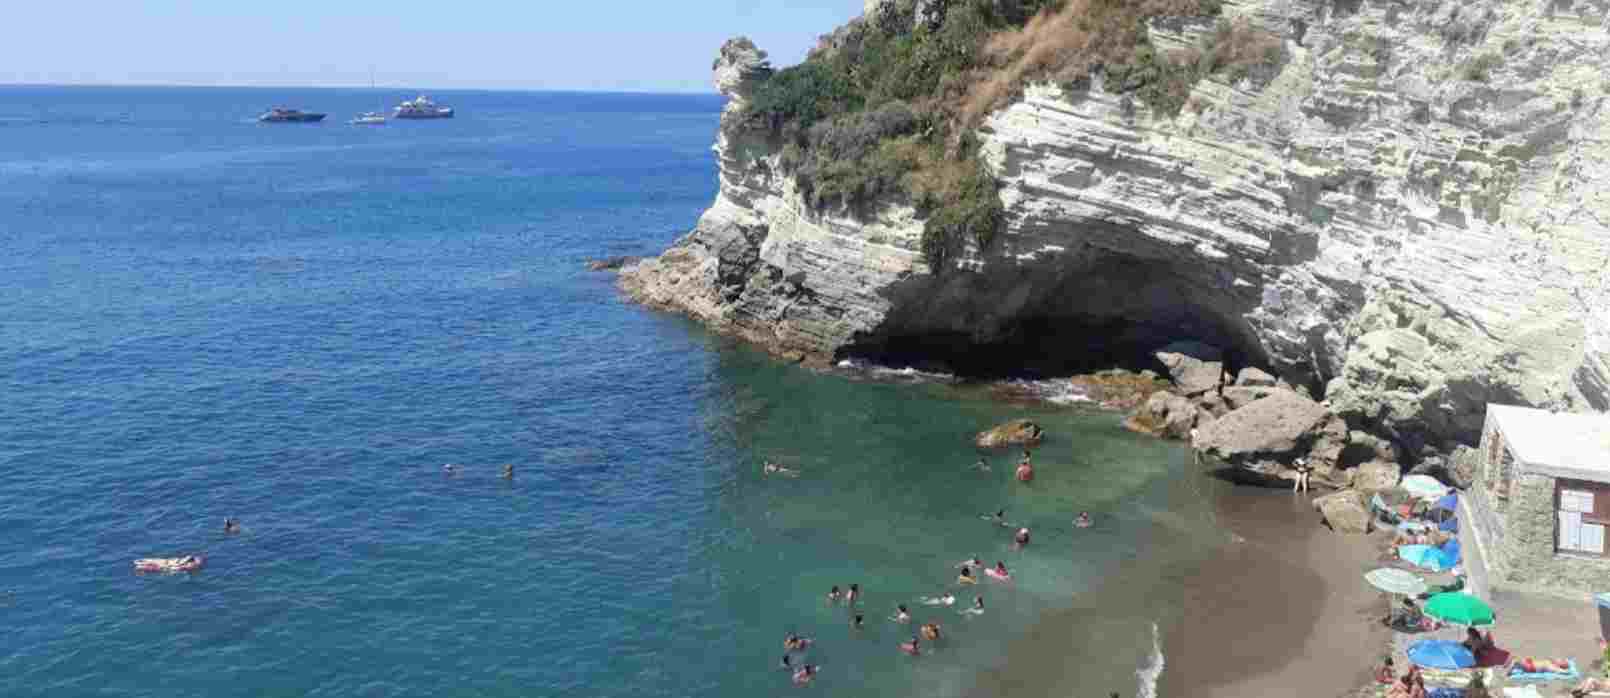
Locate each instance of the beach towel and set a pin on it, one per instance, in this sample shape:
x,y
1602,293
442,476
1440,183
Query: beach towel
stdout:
x,y
1445,692
1458,678
1515,674
1521,692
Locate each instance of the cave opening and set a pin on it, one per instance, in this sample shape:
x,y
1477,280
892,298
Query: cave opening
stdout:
x,y
1076,314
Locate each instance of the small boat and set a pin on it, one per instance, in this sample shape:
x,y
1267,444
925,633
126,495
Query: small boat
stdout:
x,y
281,115
368,118
169,565
422,108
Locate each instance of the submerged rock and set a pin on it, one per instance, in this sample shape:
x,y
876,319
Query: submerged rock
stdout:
x,y
1346,511
610,263
1016,432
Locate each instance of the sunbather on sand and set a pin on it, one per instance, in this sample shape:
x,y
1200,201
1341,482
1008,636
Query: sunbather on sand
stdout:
x,y
1534,665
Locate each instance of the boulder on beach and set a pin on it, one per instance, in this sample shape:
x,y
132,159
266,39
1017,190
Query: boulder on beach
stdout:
x,y
1016,432
1376,476
1266,435
1251,377
1194,367
1346,511
1165,415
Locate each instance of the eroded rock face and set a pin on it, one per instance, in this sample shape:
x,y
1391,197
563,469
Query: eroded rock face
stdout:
x,y
1166,415
1381,224
1018,432
1194,367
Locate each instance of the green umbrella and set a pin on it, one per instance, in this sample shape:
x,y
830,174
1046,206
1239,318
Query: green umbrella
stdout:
x,y
1460,609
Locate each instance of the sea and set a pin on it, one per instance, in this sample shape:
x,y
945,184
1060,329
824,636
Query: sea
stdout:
x,y
298,325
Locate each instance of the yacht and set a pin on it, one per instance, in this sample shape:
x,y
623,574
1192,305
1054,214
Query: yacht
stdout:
x,y
283,115
422,108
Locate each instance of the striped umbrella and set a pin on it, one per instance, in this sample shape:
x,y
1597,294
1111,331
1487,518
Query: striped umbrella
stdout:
x,y
1396,581
1423,487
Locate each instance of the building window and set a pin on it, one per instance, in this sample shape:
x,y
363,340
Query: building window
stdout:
x,y
1583,510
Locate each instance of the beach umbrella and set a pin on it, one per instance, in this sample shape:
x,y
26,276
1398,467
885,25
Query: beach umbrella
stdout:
x,y
1424,556
1449,526
1459,608
1396,581
1423,487
1441,654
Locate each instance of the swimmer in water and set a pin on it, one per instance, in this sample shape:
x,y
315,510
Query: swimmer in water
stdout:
x,y
1083,520
966,577
999,517
795,642
970,562
787,664
450,469
853,595
930,631
774,469
1000,571
901,614
912,648
977,609
804,675
859,621
508,471
1021,538
231,526
948,599
834,595
981,466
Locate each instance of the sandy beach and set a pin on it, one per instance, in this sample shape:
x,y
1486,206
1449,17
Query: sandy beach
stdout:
x,y
1279,607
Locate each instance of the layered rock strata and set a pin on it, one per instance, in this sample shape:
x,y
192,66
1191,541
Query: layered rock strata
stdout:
x,y
1408,221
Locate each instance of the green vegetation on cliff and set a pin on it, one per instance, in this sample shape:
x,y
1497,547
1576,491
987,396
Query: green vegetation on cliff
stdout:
x,y
886,106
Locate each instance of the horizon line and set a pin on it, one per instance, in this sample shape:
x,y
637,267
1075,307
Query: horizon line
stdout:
x,y
180,85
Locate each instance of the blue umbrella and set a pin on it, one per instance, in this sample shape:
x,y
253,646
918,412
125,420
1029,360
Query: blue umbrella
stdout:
x,y
1448,503
1424,556
1450,553
1441,654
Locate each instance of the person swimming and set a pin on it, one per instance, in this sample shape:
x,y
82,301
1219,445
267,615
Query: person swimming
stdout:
x,y
930,631
947,599
1082,520
966,577
508,471
854,594
804,675
787,663
834,595
450,469
912,648
902,615
999,572
981,466
771,468
970,562
977,609
795,642
231,526
1022,537
859,621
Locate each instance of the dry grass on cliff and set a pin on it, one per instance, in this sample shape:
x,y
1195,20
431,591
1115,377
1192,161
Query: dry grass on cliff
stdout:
x,y
1085,36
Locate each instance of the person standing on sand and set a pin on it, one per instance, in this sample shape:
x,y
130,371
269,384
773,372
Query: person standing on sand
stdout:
x,y
1301,481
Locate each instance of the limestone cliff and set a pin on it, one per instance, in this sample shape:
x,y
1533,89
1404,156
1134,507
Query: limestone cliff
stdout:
x,y
1408,219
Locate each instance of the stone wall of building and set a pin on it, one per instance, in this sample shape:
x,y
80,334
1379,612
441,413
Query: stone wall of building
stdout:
x,y
1528,548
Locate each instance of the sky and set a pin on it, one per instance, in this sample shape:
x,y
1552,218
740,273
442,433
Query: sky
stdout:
x,y
623,45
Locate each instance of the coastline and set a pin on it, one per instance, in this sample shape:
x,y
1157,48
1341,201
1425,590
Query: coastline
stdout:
x,y
1276,607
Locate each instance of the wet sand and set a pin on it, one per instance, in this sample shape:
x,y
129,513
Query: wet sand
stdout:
x,y
1273,604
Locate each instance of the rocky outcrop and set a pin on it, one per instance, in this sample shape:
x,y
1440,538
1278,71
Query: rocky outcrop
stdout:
x,y
1165,415
1406,221
1194,367
610,263
1018,432
1267,436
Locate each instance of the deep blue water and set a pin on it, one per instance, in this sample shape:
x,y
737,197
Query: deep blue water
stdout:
x,y
297,325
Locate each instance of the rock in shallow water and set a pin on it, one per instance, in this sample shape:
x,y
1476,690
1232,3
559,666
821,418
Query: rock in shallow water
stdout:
x,y
1016,432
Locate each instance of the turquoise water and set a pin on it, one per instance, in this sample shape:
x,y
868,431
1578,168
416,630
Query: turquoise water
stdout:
x,y
204,317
